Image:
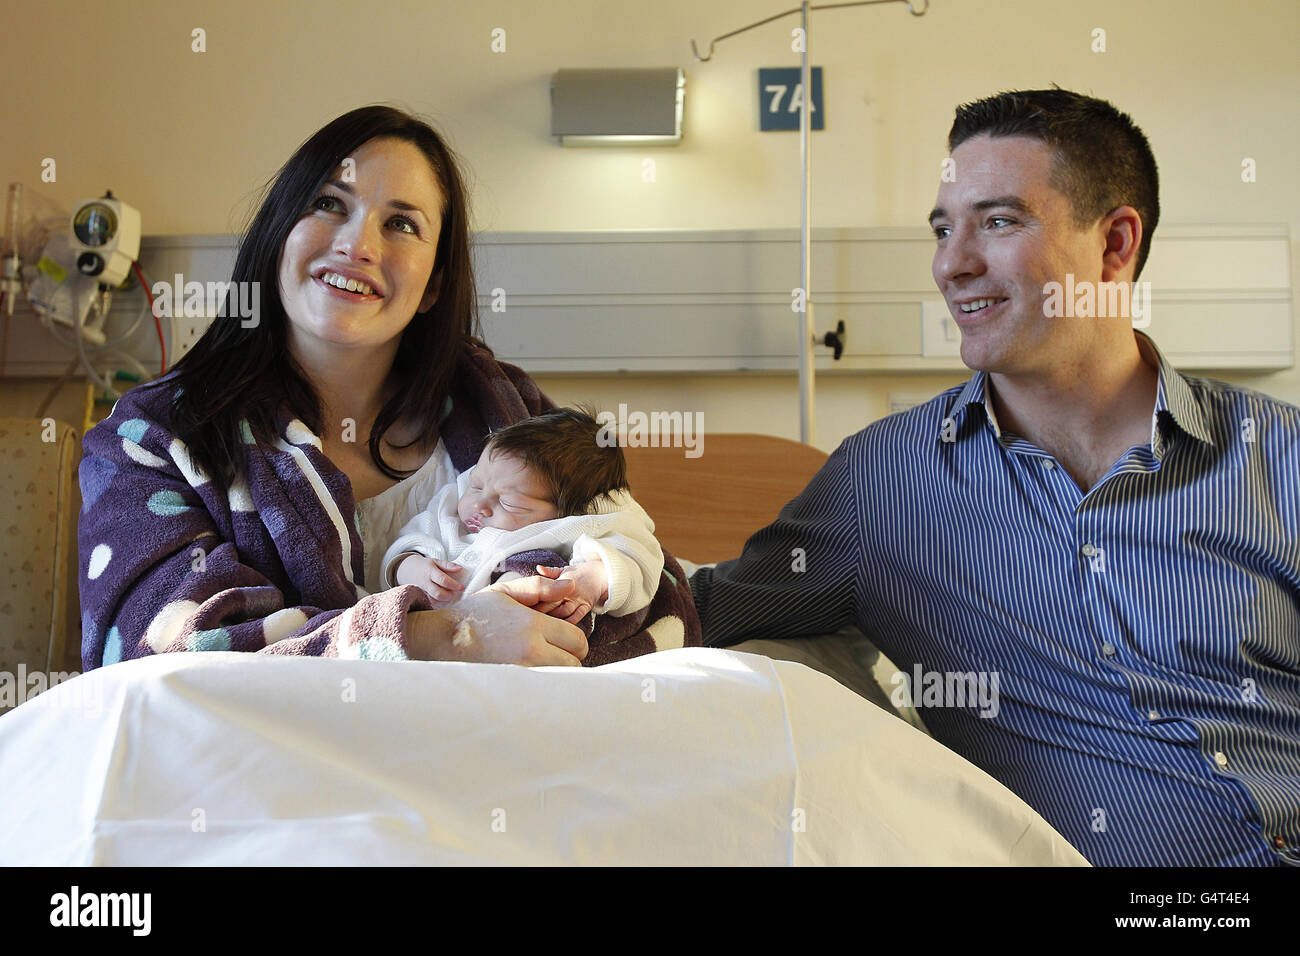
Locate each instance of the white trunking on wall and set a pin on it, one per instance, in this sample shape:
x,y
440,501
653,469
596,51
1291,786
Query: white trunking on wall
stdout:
x,y
721,301
708,302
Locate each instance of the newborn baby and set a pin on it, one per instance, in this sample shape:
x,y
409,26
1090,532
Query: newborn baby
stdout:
x,y
544,492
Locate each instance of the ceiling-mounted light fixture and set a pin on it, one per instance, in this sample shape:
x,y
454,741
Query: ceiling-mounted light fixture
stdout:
x,y
618,107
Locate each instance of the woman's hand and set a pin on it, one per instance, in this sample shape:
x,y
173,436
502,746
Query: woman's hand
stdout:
x,y
499,626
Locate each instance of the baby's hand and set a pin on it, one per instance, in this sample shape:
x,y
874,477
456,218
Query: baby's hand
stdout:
x,y
591,585
436,578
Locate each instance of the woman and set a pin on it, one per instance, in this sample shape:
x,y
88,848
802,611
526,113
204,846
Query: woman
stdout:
x,y
235,503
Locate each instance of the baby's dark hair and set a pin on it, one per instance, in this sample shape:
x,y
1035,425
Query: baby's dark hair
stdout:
x,y
576,457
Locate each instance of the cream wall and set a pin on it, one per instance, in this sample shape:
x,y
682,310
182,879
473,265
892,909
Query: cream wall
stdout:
x,y
112,91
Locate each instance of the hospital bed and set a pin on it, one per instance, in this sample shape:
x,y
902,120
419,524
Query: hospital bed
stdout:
x,y
768,753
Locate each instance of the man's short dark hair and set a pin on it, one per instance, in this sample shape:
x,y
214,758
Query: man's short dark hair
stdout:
x,y
1102,160
561,447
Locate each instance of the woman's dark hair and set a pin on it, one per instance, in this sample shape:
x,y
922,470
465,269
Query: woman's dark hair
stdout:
x,y
1102,159
235,373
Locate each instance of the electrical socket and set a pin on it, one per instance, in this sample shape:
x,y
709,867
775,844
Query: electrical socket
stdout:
x,y
939,333
189,329
902,401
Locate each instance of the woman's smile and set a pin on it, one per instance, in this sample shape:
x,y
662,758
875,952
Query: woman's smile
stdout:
x,y
346,295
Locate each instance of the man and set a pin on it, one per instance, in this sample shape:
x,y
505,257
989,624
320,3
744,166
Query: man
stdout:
x,y
1115,544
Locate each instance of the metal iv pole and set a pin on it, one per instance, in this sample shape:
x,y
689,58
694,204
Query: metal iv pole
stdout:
x,y
807,336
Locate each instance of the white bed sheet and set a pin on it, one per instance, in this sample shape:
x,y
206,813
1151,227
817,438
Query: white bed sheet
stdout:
x,y
692,756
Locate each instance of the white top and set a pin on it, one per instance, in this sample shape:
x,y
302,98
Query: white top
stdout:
x,y
618,532
381,519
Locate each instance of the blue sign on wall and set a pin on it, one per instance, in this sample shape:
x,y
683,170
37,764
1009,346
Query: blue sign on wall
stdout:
x,y
780,94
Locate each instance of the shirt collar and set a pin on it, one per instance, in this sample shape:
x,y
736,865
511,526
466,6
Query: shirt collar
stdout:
x,y
1173,397
974,394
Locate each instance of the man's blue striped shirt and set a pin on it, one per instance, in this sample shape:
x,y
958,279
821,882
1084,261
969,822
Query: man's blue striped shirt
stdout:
x,y
1145,635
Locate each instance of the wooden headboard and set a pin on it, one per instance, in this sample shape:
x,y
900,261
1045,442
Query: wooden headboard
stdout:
x,y
705,508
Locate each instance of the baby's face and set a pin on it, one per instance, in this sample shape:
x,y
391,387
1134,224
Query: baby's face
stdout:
x,y
504,493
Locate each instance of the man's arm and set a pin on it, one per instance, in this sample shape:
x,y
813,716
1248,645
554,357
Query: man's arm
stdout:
x,y
796,576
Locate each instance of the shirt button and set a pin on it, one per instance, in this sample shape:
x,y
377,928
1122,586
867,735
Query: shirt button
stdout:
x,y
1108,649
1221,759
1049,464
1153,714
1088,551
1279,841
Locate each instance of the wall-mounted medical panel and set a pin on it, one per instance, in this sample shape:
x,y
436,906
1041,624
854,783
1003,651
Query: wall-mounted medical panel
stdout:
x,y
699,302
1219,297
